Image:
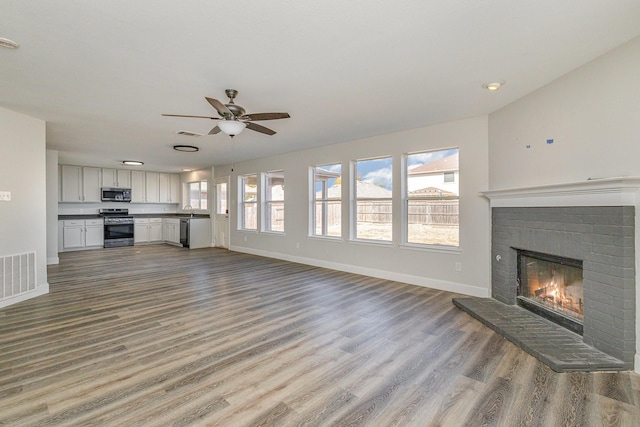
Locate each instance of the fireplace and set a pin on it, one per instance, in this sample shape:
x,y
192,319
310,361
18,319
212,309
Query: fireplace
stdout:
x,y
552,287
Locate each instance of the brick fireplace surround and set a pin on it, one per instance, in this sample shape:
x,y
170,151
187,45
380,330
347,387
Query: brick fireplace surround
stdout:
x,y
593,221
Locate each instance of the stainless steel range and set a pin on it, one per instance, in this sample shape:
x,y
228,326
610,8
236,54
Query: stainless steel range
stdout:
x,y
118,227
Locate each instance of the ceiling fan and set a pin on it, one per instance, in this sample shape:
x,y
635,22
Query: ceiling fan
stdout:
x,y
233,118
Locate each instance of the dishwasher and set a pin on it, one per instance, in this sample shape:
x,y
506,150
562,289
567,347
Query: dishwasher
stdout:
x,y
184,232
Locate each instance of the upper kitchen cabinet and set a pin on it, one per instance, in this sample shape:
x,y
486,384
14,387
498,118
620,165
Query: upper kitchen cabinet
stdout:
x,y
79,184
116,178
152,187
169,186
138,184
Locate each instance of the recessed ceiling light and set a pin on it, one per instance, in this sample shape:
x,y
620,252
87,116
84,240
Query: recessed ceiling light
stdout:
x,y
9,44
493,86
187,170
132,163
186,148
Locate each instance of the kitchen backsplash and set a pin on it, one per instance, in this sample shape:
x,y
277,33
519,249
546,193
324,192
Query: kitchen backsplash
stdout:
x,y
134,208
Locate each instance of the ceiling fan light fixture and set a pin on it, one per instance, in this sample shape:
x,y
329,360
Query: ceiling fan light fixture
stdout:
x,y
231,127
132,163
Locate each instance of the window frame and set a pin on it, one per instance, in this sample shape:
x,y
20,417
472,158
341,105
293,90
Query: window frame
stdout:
x,y
355,199
406,201
242,185
324,201
187,201
268,203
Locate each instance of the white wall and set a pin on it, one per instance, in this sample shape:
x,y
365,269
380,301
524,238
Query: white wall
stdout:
x,y
23,221
593,115
433,268
52,207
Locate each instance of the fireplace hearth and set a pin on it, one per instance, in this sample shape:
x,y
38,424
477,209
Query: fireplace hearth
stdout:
x,y
552,287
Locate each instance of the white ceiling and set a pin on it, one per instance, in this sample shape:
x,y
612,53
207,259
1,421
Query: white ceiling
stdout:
x,y
101,73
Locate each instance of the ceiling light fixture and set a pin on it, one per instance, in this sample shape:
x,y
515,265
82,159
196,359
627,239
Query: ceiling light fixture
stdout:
x,y
9,44
493,86
231,127
132,163
186,148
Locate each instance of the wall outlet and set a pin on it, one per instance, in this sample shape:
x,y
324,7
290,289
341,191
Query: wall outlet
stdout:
x,y
5,196
298,245
245,238
458,266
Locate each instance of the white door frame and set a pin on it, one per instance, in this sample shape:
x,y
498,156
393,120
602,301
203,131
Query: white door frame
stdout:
x,y
222,226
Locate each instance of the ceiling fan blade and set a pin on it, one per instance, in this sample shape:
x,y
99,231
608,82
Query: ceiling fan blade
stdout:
x,y
214,130
197,117
258,128
220,107
265,116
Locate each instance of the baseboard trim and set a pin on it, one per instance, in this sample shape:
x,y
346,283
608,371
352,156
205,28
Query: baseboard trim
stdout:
x,y
442,285
53,261
40,290
637,363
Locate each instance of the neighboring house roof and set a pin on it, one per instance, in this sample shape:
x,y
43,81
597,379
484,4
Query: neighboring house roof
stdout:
x,y
364,189
445,164
432,191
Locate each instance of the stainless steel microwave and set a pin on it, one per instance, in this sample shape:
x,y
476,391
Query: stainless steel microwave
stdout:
x,y
116,194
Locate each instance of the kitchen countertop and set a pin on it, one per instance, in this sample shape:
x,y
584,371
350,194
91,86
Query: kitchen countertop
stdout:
x,y
146,215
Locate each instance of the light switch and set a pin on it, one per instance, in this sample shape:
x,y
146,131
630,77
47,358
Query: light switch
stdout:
x,y
5,196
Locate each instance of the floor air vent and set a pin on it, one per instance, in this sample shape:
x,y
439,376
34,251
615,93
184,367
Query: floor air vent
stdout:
x,y
17,274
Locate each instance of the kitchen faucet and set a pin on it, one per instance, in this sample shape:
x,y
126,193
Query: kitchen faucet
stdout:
x,y
188,208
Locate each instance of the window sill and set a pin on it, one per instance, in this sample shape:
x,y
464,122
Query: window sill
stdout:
x,y
382,243
273,233
326,238
431,248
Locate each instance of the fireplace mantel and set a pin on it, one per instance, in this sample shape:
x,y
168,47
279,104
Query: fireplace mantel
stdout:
x,y
622,191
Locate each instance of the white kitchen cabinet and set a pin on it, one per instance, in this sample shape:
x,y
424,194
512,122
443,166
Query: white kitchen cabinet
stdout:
x,y
73,234
94,232
140,230
169,186
155,230
147,230
91,184
174,188
172,230
152,194
80,234
138,184
116,178
79,184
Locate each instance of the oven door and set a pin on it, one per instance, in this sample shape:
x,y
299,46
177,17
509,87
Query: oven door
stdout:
x,y
118,235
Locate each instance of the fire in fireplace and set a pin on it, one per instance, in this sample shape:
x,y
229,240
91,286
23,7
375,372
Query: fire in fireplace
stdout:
x,y
552,287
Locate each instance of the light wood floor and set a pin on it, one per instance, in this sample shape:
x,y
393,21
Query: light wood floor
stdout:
x,y
160,335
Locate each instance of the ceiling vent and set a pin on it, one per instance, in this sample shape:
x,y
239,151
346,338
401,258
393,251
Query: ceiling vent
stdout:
x,y
188,133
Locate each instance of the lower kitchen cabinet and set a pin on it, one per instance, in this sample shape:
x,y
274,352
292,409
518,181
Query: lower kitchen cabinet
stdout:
x,y
172,230
81,234
147,230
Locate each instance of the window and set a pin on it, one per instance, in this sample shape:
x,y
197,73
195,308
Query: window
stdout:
x,y
274,201
373,199
221,198
327,201
432,198
197,195
248,202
